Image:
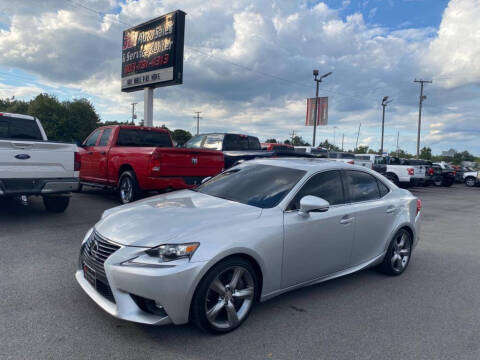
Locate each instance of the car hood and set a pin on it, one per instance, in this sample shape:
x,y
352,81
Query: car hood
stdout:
x,y
174,217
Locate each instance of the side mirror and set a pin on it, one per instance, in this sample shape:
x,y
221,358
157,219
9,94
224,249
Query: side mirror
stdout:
x,y
312,203
204,180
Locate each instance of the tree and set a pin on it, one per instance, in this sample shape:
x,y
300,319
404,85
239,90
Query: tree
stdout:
x,y
273,141
362,149
287,142
328,146
181,136
426,153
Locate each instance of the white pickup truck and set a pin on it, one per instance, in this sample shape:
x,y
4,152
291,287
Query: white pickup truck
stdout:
x,y
32,165
401,174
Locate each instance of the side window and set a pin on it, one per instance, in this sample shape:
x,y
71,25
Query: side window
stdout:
x,y
253,143
361,186
105,137
326,185
92,140
383,188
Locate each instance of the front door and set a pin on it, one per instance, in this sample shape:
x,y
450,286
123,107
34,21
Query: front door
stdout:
x,y
319,243
87,168
99,157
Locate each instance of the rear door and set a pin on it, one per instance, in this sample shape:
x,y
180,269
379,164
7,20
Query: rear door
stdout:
x,y
25,154
374,214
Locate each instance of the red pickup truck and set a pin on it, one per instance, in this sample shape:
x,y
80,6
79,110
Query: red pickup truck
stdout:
x,y
136,158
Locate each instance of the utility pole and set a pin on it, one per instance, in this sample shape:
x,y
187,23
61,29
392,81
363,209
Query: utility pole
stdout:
x,y
334,142
384,105
198,117
133,112
318,81
398,135
358,134
343,137
420,102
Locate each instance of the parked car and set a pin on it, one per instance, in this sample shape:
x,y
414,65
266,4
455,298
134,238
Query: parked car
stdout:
x,y
471,178
32,165
446,174
372,161
237,148
133,159
402,174
314,151
277,147
253,232
344,157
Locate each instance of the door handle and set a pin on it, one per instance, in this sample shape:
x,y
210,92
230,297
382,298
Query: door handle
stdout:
x,y
347,220
391,209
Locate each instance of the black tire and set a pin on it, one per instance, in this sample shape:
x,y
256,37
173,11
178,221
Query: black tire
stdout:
x,y
128,188
56,204
470,181
447,182
80,188
391,267
393,178
202,297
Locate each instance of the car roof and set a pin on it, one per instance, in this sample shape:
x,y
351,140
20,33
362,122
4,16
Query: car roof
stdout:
x,y
18,116
306,164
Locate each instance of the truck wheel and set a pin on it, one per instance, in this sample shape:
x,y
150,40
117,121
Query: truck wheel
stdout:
x,y
447,182
393,178
438,182
56,204
128,187
470,181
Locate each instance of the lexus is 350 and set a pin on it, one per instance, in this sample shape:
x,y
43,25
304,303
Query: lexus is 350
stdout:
x,y
251,233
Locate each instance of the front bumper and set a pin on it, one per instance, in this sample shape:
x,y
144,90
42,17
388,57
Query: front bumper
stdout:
x,y
15,187
171,285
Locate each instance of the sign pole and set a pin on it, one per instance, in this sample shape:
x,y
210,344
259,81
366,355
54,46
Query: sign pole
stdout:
x,y
148,106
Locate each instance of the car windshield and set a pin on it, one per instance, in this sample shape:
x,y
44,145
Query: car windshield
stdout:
x,y
259,185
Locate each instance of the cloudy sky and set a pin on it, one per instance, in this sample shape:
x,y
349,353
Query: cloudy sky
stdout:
x,y
248,64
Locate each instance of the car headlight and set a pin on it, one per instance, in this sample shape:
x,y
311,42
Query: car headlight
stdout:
x,y
169,252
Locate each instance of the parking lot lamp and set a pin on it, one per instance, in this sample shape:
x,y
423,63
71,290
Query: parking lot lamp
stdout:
x,y
318,81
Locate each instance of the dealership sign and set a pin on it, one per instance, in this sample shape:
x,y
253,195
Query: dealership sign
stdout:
x,y
152,53
322,111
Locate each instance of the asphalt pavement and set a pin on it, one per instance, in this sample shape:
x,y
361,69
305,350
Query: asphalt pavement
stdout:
x,y
430,312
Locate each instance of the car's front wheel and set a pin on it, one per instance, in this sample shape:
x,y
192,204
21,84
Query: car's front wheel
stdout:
x,y
398,254
225,296
470,181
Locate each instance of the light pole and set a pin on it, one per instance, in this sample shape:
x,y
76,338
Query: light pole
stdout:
x,y
334,128
384,105
420,102
318,81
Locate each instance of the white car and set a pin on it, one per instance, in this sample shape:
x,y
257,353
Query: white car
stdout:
x,y
251,233
32,165
471,178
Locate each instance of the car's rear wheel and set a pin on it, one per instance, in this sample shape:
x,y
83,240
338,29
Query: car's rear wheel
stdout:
x,y
56,204
470,181
398,254
225,296
393,178
438,182
128,187
447,182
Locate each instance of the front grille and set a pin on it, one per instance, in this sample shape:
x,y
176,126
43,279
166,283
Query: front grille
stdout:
x,y
93,254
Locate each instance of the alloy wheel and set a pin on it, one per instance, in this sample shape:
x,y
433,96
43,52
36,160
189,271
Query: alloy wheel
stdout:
x,y
229,298
126,189
470,182
401,252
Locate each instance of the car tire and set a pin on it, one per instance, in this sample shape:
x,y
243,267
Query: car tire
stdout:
x,y
56,204
221,304
438,182
447,182
398,254
128,188
80,188
393,178
470,181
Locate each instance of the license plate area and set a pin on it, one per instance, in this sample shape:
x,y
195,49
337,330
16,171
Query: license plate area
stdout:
x,y
90,275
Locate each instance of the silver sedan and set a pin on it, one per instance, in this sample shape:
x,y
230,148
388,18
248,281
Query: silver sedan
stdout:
x,y
253,232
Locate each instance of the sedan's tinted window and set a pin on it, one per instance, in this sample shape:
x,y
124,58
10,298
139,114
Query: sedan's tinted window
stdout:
x,y
326,185
258,185
361,186
383,188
